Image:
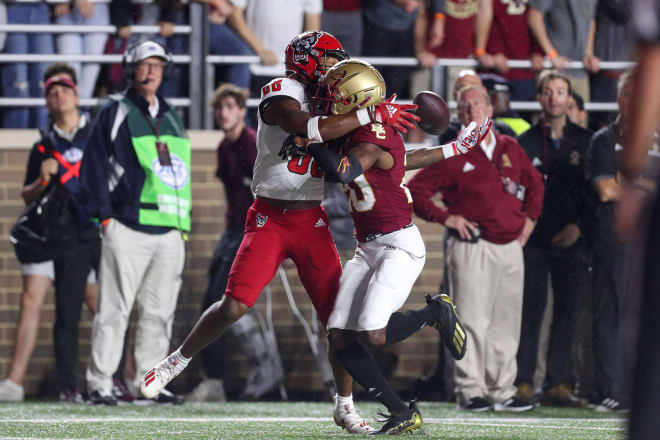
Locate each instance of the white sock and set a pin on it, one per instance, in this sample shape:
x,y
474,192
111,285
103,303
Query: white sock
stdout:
x,y
341,400
183,361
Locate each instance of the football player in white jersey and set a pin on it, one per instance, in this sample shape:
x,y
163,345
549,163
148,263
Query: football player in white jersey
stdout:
x,y
286,220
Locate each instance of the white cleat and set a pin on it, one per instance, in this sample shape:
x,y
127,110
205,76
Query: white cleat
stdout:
x,y
348,418
158,377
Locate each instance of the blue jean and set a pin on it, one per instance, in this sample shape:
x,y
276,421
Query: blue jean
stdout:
x,y
223,40
25,80
88,44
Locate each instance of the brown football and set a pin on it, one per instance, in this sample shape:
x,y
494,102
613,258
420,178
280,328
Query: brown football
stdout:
x,y
433,112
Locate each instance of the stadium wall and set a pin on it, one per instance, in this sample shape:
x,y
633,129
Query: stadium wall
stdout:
x,y
416,356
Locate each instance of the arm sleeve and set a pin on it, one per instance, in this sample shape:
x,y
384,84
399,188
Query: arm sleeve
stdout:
x,y
423,186
533,182
33,166
338,167
95,167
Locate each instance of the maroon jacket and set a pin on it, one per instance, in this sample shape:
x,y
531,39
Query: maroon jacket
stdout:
x,y
471,186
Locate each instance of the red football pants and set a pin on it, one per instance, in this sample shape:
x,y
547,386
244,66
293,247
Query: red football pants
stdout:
x,y
272,235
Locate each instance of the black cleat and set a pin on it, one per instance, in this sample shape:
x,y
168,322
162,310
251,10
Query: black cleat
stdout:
x,y
400,423
447,323
101,398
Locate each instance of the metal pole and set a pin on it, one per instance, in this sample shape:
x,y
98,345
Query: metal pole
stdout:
x,y
198,47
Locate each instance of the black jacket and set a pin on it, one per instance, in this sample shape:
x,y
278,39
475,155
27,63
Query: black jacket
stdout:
x,y
566,194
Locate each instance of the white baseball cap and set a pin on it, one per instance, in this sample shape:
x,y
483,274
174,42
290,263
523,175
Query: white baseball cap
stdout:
x,y
148,49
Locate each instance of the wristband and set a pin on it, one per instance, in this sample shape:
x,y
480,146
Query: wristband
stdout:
x,y
449,150
363,116
552,54
105,222
43,182
439,16
479,52
313,129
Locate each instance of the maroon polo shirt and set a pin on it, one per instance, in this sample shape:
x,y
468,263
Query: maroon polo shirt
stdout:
x,y
235,164
471,186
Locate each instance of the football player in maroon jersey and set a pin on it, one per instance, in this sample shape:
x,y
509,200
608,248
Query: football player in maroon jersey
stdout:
x,y
286,220
371,163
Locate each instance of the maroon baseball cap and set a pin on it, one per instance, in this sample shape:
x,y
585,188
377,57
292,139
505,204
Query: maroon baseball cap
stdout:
x,y
63,80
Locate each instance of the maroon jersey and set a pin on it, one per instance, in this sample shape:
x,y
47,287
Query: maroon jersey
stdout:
x,y
460,24
510,35
379,200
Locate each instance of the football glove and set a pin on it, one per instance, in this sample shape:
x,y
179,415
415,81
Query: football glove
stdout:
x,y
290,149
396,115
468,138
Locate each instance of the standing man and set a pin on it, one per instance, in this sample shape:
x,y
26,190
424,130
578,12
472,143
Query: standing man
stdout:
x,y
286,220
57,156
137,182
612,256
556,147
493,196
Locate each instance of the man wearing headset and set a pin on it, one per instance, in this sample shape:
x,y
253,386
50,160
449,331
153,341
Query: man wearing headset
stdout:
x,y
137,181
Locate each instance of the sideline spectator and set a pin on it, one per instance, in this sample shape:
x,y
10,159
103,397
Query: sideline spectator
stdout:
x,y
82,12
24,80
389,32
37,279
612,255
556,148
493,195
565,30
137,182
575,111
343,19
58,155
503,34
499,91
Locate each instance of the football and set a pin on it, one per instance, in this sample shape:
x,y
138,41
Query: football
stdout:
x,y
433,112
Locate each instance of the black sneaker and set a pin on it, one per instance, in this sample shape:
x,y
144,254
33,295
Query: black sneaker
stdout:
x,y
447,323
400,423
71,396
514,404
100,398
609,404
476,404
166,396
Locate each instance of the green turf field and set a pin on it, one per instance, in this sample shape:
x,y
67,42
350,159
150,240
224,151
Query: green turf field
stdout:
x,y
270,420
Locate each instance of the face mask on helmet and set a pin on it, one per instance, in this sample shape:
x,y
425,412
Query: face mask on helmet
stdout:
x,y
307,55
349,85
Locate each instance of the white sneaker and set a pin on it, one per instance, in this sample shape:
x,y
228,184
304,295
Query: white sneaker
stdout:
x,y
157,378
10,392
209,390
348,418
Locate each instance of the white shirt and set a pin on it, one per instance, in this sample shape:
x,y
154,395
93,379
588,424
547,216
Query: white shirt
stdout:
x,y
489,148
69,135
153,109
275,23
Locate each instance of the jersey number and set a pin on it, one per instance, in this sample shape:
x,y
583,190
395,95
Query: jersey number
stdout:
x,y
276,86
365,200
300,165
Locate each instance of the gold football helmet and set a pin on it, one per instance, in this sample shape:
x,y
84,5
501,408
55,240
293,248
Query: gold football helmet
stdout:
x,y
353,84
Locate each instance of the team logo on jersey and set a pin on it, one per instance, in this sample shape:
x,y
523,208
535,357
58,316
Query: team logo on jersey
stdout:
x,y
73,155
574,158
174,176
506,162
261,220
379,131
302,47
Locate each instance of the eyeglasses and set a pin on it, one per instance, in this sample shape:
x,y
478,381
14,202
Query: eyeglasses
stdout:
x,y
151,65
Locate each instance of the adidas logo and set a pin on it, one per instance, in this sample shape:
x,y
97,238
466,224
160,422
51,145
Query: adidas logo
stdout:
x,y
391,110
319,223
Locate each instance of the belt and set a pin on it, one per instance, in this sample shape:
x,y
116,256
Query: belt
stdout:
x,y
375,235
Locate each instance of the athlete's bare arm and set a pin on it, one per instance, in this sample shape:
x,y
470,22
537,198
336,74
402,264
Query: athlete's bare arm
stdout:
x,y
288,115
423,157
372,155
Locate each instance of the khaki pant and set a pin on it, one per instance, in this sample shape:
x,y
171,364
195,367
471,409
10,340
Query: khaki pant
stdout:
x,y
486,282
134,266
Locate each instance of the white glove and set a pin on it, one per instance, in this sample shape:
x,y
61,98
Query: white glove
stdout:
x,y
467,139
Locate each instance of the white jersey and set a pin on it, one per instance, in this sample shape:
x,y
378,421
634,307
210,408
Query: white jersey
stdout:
x,y
296,179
